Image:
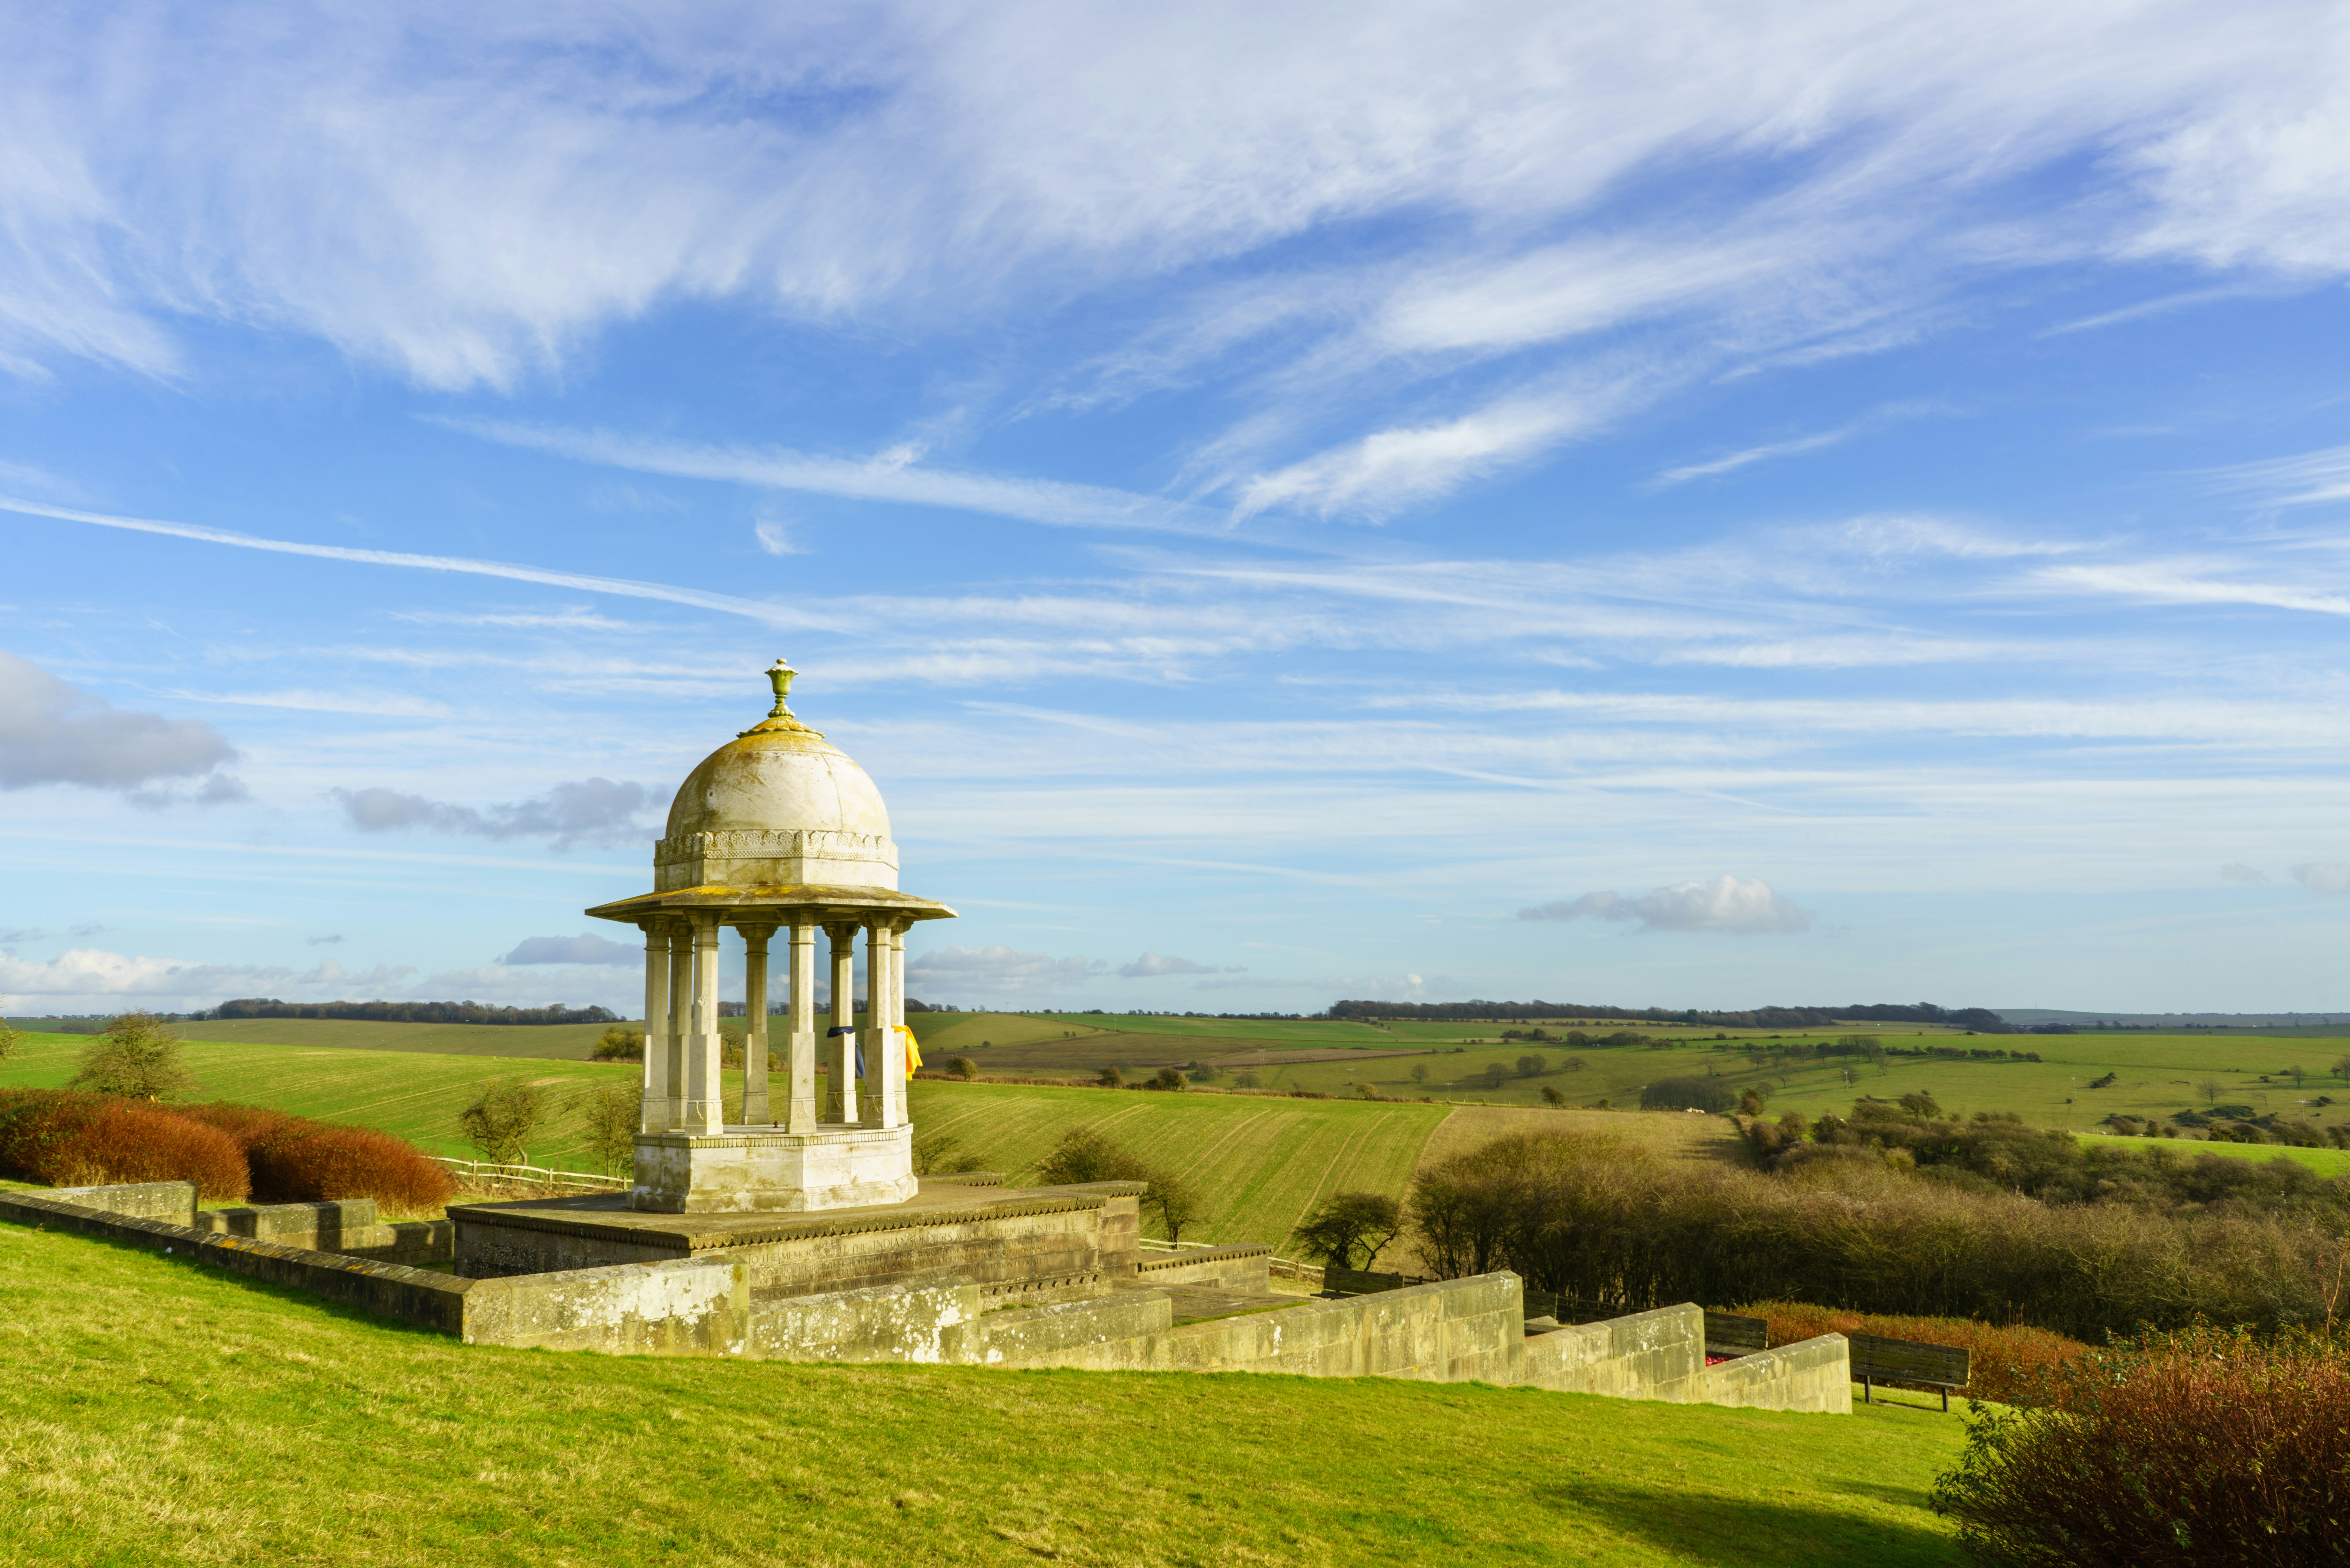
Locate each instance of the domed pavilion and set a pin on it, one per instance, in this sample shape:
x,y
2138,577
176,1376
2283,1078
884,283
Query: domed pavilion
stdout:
x,y
777,830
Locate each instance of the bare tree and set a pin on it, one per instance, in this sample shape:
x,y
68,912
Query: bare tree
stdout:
x,y
502,1118
2209,1089
609,1114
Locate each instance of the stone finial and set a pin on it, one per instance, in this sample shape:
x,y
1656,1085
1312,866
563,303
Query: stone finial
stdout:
x,y
779,676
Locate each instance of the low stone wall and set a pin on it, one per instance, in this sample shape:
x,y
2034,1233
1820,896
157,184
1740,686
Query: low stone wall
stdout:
x,y
947,1323
1648,1355
1661,1355
344,1225
389,1290
173,1202
1812,1374
1453,1332
1239,1267
700,1306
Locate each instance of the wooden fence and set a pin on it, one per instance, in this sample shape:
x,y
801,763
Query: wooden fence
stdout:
x,y
530,1174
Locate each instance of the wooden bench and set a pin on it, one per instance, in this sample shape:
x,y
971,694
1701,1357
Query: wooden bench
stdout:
x,y
1729,1335
1876,1359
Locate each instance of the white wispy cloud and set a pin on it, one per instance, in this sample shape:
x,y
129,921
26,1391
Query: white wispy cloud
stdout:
x,y
474,221
896,474
774,614
2306,479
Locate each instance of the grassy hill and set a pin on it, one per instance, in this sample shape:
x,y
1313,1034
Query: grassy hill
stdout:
x,y
413,1093
1258,1163
154,1410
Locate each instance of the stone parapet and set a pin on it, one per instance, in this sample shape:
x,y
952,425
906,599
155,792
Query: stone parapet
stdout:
x,y
173,1202
1647,1356
1812,1374
1243,1266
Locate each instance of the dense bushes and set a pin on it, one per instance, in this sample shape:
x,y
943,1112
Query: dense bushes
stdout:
x,y
2008,1362
1611,1233
60,1138
296,1161
1688,1094
1997,1153
2201,1448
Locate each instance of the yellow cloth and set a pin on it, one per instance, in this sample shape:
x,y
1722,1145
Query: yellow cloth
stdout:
x,y
913,1052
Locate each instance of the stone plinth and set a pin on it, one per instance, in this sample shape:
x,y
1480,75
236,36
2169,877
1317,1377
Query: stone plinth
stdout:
x,y
1027,1244
758,1170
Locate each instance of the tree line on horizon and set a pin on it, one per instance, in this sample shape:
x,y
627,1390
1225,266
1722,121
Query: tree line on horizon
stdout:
x,y
1982,1020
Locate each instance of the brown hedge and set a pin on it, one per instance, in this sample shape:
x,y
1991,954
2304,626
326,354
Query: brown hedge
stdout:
x,y
2195,1449
2007,1362
62,1137
296,1161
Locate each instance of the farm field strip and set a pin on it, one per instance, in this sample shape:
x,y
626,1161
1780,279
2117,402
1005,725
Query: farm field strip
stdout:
x,y
2325,1161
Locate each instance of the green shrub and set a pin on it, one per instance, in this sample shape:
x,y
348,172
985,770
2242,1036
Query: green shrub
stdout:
x,y
137,1058
620,1045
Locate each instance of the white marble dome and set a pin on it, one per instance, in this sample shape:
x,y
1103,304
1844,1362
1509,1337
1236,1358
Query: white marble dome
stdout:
x,y
776,805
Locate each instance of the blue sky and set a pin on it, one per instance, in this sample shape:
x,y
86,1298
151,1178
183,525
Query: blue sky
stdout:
x,y
1691,505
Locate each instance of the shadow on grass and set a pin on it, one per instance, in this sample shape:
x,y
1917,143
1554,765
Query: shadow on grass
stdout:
x,y
185,1260
1748,1532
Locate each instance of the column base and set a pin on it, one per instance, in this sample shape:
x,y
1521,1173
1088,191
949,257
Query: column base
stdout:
x,y
748,1170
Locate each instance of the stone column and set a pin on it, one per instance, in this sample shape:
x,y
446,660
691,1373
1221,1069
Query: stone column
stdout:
x,y
654,1115
840,1055
680,1023
898,1017
705,1104
884,1049
799,1047
754,1018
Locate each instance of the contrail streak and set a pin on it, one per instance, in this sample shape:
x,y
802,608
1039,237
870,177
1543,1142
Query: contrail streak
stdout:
x,y
727,604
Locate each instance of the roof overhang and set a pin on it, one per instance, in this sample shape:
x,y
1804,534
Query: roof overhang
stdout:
x,y
782,901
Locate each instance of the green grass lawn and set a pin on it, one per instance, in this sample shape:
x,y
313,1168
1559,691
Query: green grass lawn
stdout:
x,y
157,1412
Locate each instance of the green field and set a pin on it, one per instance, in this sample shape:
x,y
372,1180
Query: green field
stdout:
x,y
1260,1163
2325,1161
155,1411
414,1094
